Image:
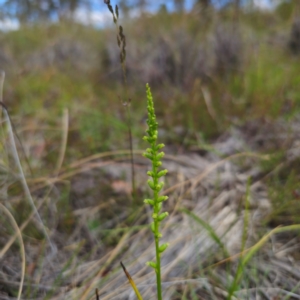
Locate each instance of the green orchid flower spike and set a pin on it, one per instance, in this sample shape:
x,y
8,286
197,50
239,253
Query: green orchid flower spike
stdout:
x,y
156,186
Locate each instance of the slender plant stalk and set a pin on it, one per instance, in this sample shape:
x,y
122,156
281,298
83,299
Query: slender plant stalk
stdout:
x,y
155,156
131,151
121,39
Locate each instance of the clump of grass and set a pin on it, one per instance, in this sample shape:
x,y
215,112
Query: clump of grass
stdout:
x,y
155,156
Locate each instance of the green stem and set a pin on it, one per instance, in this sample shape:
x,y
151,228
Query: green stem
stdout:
x,y
158,274
156,224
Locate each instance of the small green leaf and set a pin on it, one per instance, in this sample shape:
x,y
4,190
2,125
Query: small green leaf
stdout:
x,y
162,198
151,184
159,186
150,173
159,146
159,206
151,264
163,247
162,173
152,226
148,155
149,201
160,155
158,235
162,216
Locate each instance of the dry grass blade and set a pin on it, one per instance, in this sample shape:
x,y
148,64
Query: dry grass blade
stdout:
x,y
264,239
18,232
131,282
247,254
65,130
21,173
22,227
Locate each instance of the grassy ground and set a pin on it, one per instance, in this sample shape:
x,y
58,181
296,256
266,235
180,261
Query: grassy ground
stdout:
x,y
227,99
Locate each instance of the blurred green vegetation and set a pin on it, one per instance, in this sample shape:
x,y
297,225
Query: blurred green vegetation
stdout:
x,y
211,73
257,78
208,73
